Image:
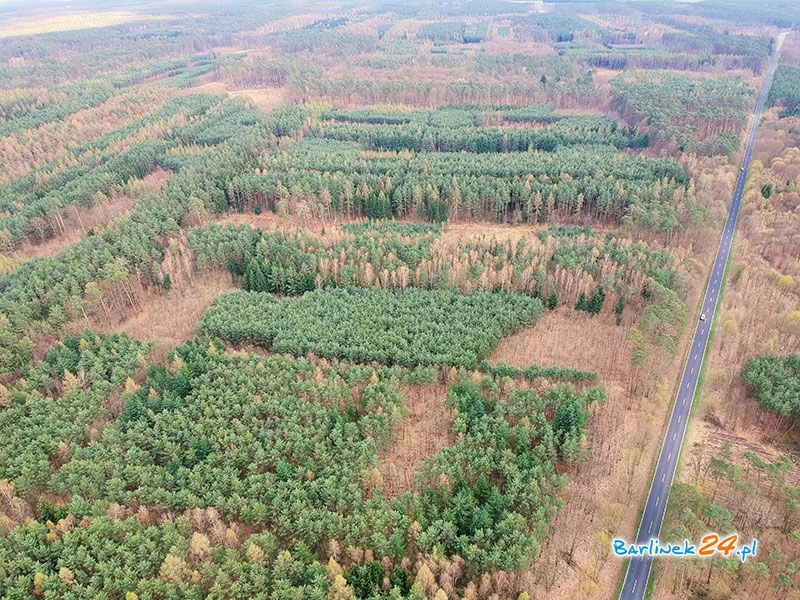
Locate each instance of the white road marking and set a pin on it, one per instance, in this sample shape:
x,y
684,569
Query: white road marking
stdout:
x,y
662,477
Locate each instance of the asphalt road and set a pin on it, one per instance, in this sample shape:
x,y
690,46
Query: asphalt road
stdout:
x,y
638,572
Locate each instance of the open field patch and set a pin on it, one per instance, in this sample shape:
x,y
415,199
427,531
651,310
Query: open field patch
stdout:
x,y
68,22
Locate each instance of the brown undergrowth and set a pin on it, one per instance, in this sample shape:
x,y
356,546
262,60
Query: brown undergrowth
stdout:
x,y
603,493
75,222
170,319
425,431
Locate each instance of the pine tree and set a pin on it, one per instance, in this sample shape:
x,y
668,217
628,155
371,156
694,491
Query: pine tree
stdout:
x,y
255,555
325,202
5,397
260,281
347,198
247,279
619,308
174,569
39,580
363,195
417,198
455,198
199,546
582,304
275,279
339,590
378,207
552,300
596,301
399,201
66,576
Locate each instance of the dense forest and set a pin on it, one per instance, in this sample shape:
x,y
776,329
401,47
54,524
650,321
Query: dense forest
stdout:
x,y
390,327
696,114
454,129
338,178
785,90
556,265
775,380
307,489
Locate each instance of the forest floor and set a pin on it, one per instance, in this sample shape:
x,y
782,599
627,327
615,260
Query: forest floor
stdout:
x,y
270,221
170,319
78,221
598,491
425,430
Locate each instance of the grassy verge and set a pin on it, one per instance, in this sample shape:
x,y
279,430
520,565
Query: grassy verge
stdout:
x,y
621,579
651,586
